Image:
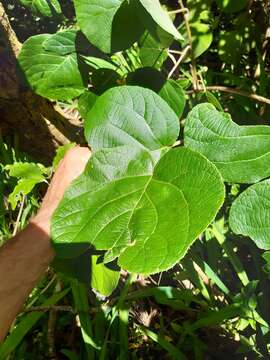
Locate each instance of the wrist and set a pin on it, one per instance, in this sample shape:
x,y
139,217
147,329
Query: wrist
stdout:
x,y
43,221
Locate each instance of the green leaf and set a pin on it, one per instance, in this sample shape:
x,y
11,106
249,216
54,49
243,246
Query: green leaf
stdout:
x,y
24,170
174,95
152,53
86,102
230,46
232,6
48,8
104,278
118,205
202,38
98,63
161,17
130,115
29,174
239,152
88,270
147,77
49,73
61,43
250,214
107,24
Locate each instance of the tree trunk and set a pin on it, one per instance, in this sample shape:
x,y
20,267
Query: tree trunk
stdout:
x,y
36,121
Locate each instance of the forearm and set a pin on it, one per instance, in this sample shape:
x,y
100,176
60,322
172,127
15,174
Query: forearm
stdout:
x,y
23,260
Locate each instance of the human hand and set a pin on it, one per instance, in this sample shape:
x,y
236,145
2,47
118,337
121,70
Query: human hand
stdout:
x,y
69,168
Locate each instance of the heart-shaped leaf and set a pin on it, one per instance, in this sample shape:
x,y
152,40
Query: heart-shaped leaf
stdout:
x,y
130,115
147,215
107,23
241,153
52,74
250,214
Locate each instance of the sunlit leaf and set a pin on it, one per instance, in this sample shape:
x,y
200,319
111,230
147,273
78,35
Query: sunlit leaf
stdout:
x,y
250,214
241,153
52,74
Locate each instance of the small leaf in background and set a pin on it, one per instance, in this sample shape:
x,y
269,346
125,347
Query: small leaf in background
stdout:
x,y
161,17
86,102
241,153
104,278
232,6
202,38
230,46
130,115
174,95
118,205
60,153
266,257
250,214
212,99
49,73
26,170
47,8
28,175
88,270
151,52
147,77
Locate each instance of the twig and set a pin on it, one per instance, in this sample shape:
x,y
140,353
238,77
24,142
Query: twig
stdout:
x,y
19,216
50,334
189,35
49,308
229,90
182,10
181,58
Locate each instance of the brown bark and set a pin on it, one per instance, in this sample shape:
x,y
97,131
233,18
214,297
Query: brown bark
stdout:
x,y
39,126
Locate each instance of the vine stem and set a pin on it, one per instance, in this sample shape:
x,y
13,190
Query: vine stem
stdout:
x,y
229,90
189,35
49,308
178,62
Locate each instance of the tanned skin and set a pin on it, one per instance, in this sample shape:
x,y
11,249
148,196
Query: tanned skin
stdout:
x,y
24,258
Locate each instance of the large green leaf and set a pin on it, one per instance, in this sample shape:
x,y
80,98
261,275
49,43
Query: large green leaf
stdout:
x,y
130,115
174,95
241,153
250,214
107,23
50,68
46,8
62,42
118,205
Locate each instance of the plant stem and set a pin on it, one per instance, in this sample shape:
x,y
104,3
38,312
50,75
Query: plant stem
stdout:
x,y
19,216
229,90
189,35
